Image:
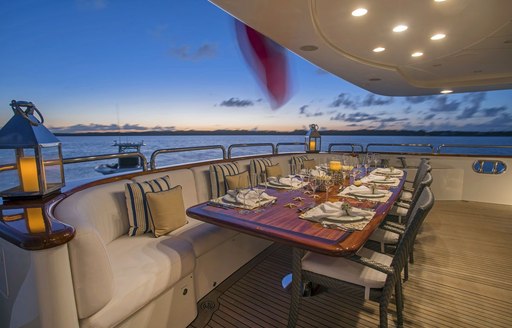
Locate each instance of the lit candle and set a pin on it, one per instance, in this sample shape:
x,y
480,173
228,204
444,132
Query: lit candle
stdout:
x,y
28,172
335,165
312,144
35,220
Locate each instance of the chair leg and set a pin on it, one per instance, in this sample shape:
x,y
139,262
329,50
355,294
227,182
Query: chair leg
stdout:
x,y
399,303
406,272
399,219
411,256
382,247
383,311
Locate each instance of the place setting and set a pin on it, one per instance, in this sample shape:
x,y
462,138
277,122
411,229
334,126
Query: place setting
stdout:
x,y
370,192
339,215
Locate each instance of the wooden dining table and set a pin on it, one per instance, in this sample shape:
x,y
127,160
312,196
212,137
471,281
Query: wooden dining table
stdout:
x,y
280,222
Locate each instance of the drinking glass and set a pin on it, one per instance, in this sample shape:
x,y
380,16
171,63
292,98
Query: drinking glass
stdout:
x,y
313,183
328,183
262,187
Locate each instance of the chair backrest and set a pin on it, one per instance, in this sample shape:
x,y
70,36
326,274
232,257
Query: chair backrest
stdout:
x,y
418,214
427,181
423,169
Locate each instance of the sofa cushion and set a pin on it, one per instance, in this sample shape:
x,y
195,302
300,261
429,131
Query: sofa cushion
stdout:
x,y
143,267
238,181
217,177
203,236
136,202
298,163
274,171
166,210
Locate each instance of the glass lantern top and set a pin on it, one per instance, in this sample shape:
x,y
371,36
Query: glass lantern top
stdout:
x,y
24,130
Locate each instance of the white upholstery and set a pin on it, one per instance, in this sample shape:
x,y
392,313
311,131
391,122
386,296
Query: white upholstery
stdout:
x,y
345,270
203,236
143,268
202,182
384,237
99,215
102,206
406,195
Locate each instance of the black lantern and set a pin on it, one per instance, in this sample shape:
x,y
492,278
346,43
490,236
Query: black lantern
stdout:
x,y
38,153
313,139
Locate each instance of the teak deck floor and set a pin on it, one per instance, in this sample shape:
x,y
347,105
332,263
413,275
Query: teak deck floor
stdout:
x,y
461,278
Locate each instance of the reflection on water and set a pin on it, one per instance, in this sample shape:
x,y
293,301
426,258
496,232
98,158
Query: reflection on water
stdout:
x,y
86,146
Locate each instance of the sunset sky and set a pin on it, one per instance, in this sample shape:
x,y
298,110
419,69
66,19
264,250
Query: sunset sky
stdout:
x,y
155,64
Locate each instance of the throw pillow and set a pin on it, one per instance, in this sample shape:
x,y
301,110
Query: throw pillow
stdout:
x,y
167,210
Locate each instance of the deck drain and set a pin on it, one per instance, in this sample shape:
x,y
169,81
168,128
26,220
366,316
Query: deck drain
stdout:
x,y
208,305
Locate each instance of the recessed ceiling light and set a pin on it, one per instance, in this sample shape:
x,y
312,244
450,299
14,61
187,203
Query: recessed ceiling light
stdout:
x,y
374,79
446,91
308,48
439,0
359,12
400,28
379,49
417,54
438,36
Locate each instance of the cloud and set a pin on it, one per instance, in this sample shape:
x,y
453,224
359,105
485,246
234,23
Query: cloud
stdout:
x,y
354,117
302,109
235,102
419,99
493,111
83,128
316,114
474,101
207,50
372,100
343,100
441,104
429,117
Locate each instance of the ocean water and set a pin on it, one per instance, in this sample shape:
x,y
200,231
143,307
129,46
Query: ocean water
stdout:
x,y
74,146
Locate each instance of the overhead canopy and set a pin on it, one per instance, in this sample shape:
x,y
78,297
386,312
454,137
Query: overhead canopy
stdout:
x,y
475,53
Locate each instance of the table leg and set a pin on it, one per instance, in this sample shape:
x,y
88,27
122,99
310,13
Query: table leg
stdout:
x,y
296,287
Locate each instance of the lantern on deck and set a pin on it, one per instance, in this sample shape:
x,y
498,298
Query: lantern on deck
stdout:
x,y
313,139
38,153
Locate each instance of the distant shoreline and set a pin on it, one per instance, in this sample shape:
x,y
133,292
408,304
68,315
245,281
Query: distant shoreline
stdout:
x,y
298,132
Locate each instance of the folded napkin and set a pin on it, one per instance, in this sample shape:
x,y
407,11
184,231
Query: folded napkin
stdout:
x,y
381,179
388,171
365,192
332,211
286,182
331,215
247,198
318,173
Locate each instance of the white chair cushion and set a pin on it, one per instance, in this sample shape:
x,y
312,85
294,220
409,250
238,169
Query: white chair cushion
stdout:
x,y
143,267
203,236
343,269
406,195
384,236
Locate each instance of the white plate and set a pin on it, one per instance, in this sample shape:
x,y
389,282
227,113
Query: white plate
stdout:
x,y
383,181
341,219
367,194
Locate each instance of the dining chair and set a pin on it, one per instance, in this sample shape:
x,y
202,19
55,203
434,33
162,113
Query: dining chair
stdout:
x,y
389,232
408,191
376,273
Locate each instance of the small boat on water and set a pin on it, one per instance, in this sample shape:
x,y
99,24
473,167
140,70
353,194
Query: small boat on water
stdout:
x,y
125,163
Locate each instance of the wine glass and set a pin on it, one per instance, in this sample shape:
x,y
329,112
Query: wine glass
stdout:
x,y
262,187
313,183
328,182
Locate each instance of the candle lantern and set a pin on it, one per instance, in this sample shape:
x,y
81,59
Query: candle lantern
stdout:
x,y
39,168
313,140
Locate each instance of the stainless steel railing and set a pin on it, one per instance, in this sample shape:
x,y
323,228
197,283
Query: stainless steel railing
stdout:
x,y
81,159
183,149
303,144
429,146
263,144
351,145
440,147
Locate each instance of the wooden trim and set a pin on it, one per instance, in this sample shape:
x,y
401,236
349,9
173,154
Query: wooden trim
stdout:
x,y
15,229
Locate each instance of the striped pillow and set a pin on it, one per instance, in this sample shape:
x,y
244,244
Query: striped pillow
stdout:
x,y
218,174
297,163
256,167
136,201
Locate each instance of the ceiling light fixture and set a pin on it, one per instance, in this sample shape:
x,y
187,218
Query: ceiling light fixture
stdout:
x,y
400,28
417,54
439,0
308,47
379,49
438,36
446,91
359,12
